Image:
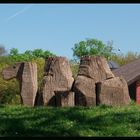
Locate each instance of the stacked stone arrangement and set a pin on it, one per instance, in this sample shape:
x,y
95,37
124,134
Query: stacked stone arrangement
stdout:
x,y
58,82
95,83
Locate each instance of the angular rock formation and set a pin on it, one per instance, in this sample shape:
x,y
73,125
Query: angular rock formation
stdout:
x,y
64,99
113,92
57,80
84,88
26,74
92,69
96,84
95,67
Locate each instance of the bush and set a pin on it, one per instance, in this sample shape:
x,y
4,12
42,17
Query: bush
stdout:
x,y
29,55
9,90
123,59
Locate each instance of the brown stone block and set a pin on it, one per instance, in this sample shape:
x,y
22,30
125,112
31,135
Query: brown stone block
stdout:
x,y
26,74
64,99
113,92
58,78
84,89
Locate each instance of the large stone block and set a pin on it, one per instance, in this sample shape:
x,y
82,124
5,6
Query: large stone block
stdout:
x,y
26,74
92,69
64,99
95,67
113,92
85,94
96,84
58,77
29,83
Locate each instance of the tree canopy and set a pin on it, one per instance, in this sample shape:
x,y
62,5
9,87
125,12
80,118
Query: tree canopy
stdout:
x,y
93,47
29,55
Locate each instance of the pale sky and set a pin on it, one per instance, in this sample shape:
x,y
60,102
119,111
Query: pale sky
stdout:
x,y
57,27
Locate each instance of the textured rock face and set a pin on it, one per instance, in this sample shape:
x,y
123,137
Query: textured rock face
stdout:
x,y
13,71
113,92
58,78
29,84
64,98
26,74
92,69
95,67
84,89
96,84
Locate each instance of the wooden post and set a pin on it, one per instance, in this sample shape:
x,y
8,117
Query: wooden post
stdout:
x,y
138,92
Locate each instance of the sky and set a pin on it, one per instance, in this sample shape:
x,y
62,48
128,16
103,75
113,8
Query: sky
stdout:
x,y
57,27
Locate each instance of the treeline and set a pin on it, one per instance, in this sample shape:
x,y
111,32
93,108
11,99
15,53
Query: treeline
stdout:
x,y
29,55
97,47
9,90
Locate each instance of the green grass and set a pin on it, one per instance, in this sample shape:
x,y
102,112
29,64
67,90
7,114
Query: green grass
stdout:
x,y
76,121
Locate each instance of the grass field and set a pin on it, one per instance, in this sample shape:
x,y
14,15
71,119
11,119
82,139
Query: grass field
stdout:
x,y
76,121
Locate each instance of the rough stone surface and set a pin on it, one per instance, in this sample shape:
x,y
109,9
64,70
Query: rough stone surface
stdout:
x,y
58,77
13,71
84,89
64,99
26,74
113,92
96,84
95,67
92,69
29,83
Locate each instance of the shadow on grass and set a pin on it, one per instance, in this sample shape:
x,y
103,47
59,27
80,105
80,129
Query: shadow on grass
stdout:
x,y
76,121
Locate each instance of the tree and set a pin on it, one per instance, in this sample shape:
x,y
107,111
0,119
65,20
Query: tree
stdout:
x,y
48,54
38,53
14,51
93,47
2,50
29,55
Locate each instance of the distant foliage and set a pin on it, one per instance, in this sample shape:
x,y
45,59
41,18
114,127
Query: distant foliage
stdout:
x,y
9,90
29,55
123,59
2,50
93,47
97,47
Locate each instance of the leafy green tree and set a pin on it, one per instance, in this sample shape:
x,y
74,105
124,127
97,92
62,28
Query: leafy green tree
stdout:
x,y
29,55
14,54
28,52
38,53
47,54
14,51
93,47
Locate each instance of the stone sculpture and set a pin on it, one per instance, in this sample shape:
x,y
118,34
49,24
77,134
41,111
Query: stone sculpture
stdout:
x,y
57,82
26,74
96,84
113,91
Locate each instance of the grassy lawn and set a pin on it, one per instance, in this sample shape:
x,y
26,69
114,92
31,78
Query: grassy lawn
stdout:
x,y
76,121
